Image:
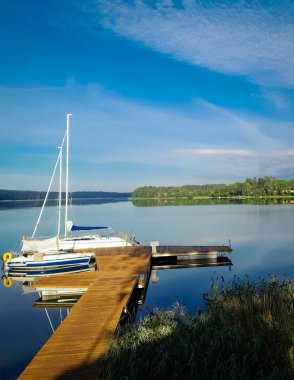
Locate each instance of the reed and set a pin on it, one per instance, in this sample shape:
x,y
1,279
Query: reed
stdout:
x,y
246,332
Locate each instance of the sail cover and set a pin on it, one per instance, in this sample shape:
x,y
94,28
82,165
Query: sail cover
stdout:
x,y
40,245
71,227
81,228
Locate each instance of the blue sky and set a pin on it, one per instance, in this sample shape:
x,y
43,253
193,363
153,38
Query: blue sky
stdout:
x,y
161,92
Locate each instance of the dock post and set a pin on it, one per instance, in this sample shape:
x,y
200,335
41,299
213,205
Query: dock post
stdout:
x,y
154,244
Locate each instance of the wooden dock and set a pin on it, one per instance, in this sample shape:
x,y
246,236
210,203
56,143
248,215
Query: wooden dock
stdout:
x,y
76,348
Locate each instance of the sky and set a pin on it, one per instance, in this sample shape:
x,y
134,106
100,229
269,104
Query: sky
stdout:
x,y
162,93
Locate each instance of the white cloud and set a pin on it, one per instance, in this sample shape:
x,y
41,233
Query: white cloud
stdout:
x,y
251,39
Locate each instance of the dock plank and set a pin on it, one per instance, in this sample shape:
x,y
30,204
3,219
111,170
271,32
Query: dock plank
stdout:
x,y
77,346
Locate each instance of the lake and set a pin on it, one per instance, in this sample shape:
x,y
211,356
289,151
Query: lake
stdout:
x,y
261,237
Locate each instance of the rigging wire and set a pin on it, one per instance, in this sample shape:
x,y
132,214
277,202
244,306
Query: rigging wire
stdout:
x,y
25,223
49,187
49,320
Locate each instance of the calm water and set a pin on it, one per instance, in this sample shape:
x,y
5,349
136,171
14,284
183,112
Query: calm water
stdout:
x,y
261,236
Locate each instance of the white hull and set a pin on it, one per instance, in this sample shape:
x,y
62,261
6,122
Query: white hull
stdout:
x,y
92,242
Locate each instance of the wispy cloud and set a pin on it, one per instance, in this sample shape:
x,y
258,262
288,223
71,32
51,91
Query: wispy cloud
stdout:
x,y
238,163
276,157
248,129
216,152
117,140
253,39
277,99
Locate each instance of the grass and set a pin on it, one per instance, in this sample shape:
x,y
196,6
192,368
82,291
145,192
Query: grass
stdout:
x,y
246,332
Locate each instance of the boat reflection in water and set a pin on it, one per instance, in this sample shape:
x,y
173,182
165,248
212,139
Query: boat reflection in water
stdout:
x,y
35,274
49,298
60,299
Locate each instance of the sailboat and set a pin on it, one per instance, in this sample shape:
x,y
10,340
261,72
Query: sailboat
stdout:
x,y
71,242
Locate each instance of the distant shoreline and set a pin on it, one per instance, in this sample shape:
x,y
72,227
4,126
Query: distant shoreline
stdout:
x,y
8,195
63,200
251,187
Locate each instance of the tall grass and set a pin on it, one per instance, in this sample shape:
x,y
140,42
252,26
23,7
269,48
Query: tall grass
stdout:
x,y
246,332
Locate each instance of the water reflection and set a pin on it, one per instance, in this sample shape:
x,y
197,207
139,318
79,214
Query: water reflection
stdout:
x,y
210,201
53,202
49,297
175,264
192,263
33,275
23,306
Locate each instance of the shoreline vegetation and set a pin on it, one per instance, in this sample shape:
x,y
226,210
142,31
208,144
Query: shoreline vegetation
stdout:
x,y
266,187
246,332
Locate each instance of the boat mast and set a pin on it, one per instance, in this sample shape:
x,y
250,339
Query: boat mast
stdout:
x,y
67,172
60,190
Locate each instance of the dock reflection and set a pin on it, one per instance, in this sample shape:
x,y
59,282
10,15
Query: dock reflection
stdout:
x,y
177,262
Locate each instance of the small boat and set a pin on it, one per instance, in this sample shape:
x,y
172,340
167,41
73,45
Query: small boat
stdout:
x,y
39,261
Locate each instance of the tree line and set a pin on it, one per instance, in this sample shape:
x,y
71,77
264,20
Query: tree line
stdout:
x,y
17,195
251,187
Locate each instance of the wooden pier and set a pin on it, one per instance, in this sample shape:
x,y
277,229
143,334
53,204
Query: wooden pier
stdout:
x,y
76,348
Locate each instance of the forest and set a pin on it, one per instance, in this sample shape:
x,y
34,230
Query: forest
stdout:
x,y
251,187
18,195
